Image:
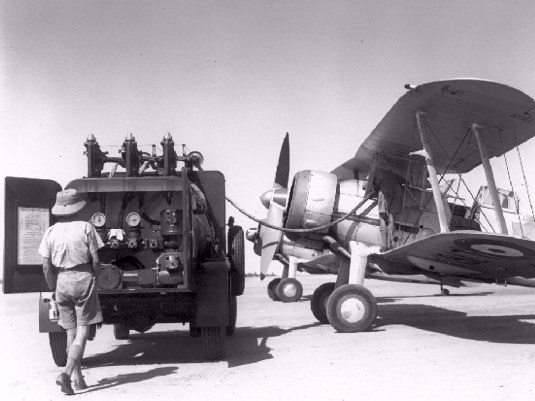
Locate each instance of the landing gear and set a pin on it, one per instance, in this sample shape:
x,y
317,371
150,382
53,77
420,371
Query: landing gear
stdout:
x,y
351,308
444,291
318,304
289,290
272,289
120,331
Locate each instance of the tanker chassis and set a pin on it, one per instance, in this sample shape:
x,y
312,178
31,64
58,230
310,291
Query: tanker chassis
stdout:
x,y
168,255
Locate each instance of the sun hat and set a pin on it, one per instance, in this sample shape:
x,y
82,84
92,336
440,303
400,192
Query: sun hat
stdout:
x,y
68,202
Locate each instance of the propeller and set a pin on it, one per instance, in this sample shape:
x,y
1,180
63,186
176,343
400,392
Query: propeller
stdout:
x,y
275,201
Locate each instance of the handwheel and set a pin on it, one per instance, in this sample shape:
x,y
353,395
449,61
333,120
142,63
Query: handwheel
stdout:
x,y
318,304
289,290
272,289
351,308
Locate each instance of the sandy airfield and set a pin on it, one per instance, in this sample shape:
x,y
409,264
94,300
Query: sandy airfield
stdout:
x,y
476,344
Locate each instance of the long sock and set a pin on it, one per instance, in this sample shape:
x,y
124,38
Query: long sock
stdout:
x,y
75,354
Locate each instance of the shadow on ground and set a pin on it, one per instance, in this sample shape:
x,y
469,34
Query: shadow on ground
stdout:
x,y
248,345
131,378
508,329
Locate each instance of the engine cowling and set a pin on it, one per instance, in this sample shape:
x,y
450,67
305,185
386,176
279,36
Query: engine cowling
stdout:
x,y
312,200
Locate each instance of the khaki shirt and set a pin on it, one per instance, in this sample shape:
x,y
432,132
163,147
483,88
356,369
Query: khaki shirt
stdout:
x,y
68,244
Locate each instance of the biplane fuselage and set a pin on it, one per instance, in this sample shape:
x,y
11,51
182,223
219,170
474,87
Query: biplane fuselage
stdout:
x,y
383,213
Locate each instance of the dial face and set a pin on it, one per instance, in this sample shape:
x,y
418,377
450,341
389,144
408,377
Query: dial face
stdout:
x,y
98,219
133,219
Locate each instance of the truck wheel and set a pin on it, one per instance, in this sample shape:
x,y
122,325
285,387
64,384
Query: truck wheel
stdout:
x,y
58,345
236,255
351,308
272,289
318,303
120,332
233,314
289,290
213,340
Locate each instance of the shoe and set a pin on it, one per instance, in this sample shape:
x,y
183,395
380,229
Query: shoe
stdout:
x,y
64,381
79,384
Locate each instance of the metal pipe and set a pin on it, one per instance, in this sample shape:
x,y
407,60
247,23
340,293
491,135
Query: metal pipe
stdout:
x,y
490,178
437,195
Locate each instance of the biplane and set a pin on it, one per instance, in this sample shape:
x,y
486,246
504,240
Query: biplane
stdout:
x,y
385,213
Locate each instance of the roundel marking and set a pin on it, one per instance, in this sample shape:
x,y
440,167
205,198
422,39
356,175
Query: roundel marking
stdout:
x,y
498,250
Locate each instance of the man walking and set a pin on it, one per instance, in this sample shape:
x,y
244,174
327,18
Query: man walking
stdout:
x,y
69,248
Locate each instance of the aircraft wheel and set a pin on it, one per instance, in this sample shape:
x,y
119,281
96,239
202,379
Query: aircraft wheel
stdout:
x,y
58,346
272,289
445,291
289,290
318,304
351,308
120,331
233,314
213,339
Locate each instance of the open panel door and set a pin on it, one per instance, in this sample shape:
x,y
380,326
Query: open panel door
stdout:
x,y
27,216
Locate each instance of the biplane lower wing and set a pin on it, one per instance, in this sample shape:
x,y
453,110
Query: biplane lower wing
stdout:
x,y
470,255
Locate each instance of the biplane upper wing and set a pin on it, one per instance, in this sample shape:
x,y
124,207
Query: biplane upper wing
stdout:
x,y
451,107
466,254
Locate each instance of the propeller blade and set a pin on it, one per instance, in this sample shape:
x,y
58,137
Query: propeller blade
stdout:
x,y
283,167
270,237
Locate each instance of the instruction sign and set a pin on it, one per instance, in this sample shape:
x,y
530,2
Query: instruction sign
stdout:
x,y
32,224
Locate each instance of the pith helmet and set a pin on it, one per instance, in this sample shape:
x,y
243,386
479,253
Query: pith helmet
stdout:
x,y
68,202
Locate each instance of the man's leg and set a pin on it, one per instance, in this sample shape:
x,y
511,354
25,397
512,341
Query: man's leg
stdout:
x,y
71,334
76,350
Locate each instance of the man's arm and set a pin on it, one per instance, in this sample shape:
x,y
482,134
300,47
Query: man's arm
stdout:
x,y
96,263
51,276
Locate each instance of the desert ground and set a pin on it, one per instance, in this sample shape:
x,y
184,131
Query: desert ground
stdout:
x,y
476,344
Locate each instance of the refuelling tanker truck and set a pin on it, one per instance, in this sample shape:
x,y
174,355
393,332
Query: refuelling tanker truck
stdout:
x,y
169,256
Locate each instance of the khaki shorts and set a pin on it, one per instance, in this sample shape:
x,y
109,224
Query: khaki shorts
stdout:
x,y
77,298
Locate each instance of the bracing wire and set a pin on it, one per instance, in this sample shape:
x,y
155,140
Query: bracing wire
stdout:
x,y
474,199
512,187
524,176
468,131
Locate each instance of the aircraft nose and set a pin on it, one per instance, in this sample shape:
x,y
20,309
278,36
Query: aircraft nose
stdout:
x,y
252,234
265,198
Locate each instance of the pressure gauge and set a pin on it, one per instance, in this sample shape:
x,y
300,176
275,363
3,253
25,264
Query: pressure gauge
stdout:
x,y
98,219
133,219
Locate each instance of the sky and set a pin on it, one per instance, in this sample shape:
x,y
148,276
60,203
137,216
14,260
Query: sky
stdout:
x,y
230,78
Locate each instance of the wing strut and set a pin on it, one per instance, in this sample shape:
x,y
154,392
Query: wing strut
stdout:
x,y
490,178
437,195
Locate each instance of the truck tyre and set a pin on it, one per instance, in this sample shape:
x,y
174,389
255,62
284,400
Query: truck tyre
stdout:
x,y
58,345
236,256
213,340
233,314
120,332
